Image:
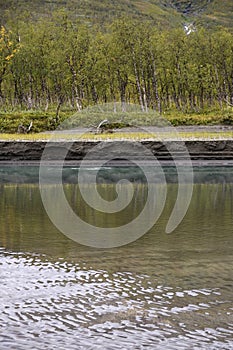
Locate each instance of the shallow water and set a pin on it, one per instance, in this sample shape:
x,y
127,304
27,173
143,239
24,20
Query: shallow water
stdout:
x,y
160,292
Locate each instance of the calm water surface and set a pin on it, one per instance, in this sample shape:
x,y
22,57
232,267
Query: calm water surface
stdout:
x,y
160,292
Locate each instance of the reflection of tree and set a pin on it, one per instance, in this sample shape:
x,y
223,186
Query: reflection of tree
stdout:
x,y
25,225
107,191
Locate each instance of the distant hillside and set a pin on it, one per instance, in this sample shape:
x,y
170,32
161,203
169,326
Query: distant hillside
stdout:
x,y
164,13
97,11
190,7
208,13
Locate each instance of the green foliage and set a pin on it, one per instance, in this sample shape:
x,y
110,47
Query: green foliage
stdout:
x,y
42,121
60,63
227,119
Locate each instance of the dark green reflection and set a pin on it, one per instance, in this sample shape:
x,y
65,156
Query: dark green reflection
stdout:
x,y
206,228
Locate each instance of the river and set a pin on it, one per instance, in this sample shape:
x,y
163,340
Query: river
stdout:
x,y
163,291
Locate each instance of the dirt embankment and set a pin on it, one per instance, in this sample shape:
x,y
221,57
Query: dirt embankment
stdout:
x,y
19,151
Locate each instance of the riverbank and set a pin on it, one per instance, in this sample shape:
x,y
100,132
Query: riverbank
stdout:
x,y
199,150
212,143
47,121
139,133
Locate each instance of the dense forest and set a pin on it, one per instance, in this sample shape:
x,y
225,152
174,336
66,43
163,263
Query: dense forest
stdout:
x,y
56,61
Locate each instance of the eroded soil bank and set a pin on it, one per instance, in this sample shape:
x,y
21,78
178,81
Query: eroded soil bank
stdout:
x,y
21,151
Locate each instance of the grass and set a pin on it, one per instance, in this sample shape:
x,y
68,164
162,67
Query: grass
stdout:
x,y
9,121
45,121
170,13
119,136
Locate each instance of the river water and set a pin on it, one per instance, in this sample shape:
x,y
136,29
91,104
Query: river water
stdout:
x,y
160,292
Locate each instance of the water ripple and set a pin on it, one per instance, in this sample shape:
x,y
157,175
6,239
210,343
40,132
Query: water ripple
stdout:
x,y
47,304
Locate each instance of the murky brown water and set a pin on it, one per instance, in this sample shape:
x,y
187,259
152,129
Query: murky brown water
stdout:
x,y
160,292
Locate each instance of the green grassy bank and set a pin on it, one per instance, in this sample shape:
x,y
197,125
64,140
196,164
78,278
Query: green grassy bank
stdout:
x,y
47,121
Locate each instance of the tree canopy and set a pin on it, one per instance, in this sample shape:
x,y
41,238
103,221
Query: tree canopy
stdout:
x,y
62,61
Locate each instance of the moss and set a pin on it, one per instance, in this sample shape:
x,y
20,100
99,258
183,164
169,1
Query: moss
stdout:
x,y
9,121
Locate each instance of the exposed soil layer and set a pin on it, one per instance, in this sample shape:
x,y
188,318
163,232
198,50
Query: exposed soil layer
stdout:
x,y
21,151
